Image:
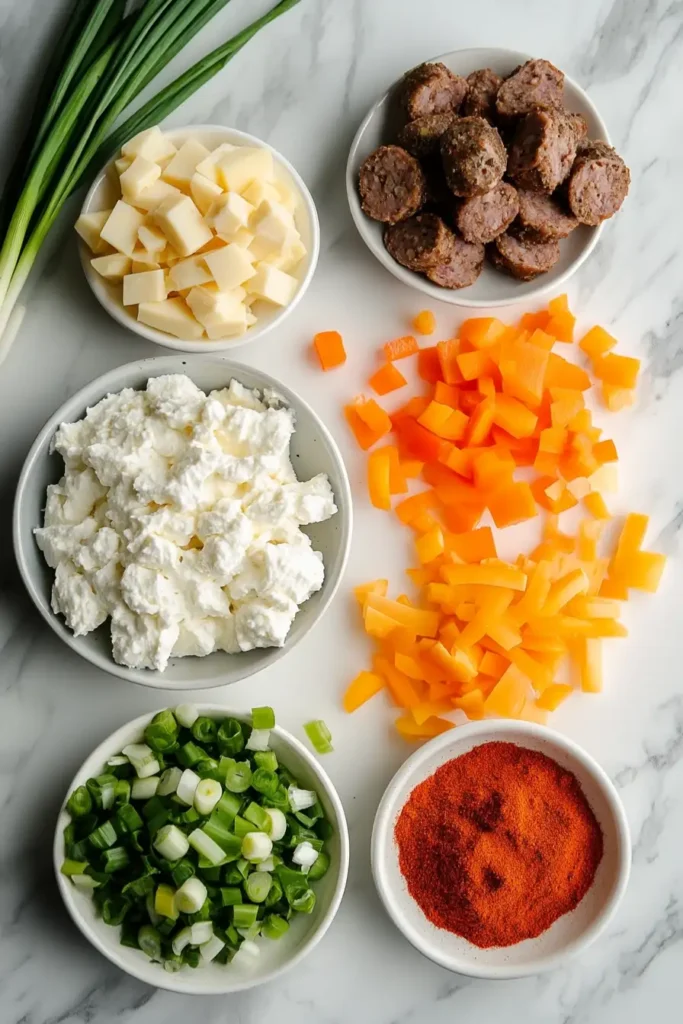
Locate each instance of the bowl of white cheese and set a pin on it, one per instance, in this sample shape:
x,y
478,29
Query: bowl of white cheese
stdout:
x,y
182,522
200,238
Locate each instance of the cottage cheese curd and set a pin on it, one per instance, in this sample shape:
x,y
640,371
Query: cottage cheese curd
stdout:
x,y
179,518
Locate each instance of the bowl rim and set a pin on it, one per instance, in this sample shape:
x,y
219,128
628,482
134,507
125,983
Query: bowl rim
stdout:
x,y
382,834
459,297
107,383
173,982
253,333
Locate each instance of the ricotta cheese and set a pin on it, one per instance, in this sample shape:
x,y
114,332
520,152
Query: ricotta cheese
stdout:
x,y
178,518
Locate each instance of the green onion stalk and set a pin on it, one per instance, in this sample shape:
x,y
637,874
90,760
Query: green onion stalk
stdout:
x,y
77,129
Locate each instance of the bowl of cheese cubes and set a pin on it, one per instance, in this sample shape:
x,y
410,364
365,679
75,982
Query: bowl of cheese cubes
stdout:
x,y
200,238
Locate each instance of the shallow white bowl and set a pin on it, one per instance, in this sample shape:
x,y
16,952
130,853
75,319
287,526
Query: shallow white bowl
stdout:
x,y
105,191
313,451
305,932
492,288
571,933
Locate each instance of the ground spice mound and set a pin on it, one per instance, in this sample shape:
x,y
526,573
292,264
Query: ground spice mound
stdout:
x,y
497,844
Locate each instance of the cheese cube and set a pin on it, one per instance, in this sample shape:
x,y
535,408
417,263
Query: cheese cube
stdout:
x,y
113,267
289,258
288,196
151,144
189,273
204,192
149,198
242,237
229,213
259,191
139,176
273,285
169,256
182,223
121,227
151,238
149,286
122,164
274,230
181,167
239,167
222,313
143,260
215,243
230,266
209,167
89,227
171,316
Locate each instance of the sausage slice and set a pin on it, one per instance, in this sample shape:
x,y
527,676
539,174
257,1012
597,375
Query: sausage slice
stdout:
x,y
542,218
432,89
538,83
523,258
543,149
392,185
473,156
483,218
422,136
482,89
598,184
461,266
418,243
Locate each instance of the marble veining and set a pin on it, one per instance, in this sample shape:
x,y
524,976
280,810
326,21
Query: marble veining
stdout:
x,y
304,84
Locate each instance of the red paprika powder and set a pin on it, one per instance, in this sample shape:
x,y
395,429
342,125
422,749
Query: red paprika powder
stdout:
x,y
497,844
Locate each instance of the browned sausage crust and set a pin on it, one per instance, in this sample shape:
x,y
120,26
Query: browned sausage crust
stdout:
x,y
482,89
542,218
432,89
483,218
544,147
523,258
422,136
461,266
598,184
538,83
473,156
392,185
418,243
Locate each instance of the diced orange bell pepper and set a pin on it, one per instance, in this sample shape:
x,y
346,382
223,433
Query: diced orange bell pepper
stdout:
x,y
561,326
418,443
471,703
410,508
361,431
402,689
446,394
605,451
430,545
513,416
617,398
447,354
444,421
373,587
523,369
473,365
428,365
597,342
413,408
488,574
363,687
641,570
563,374
410,730
424,623
619,371
379,472
329,348
376,623
512,503
457,665
508,696
374,416
534,321
482,332
399,348
387,378
481,422
553,696
474,545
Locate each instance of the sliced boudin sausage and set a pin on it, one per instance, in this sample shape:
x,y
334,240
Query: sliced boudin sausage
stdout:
x,y
432,89
422,136
542,217
418,243
461,266
543,149
482,89
473,156
392,185
598,183
522,257
483,218
538,83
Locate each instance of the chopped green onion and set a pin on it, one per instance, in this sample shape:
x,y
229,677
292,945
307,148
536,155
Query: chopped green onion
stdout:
x,y
206,796
274,926
73,867
209,769
304,902
230,895
162,732
181,871
204,730
103,836
164,902
114,910
276,893
263,718
242,827
206,847
319,867
144,789
171,843
319,735
300,799
210,950
257,885
191,957
117,761
247,954
200,932
85,883
139,886
218,829
238,776
189,898
189,754
123,791
115,859
264,781
168,783
304,855
186,715
228,806
277,823
187,786
149,942
244,915
258,739
181,940
230,737
79,803
266,759
256,846
258,816
143,759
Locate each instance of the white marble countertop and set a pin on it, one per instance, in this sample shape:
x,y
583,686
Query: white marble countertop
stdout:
x,y
304,85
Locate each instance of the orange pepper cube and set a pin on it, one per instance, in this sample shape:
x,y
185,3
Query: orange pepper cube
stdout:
x,y
387,379
330,349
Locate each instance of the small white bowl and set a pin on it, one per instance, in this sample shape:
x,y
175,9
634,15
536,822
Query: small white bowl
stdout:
x,y
492,288
305,932
571,933
313,451
104,192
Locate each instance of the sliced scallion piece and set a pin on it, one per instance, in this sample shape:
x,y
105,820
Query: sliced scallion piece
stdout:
x,y
319,735
263,718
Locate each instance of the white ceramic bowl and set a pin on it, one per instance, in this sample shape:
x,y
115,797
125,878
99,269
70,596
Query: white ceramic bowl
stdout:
x,y
492,288
571,933
105,191
313,451
305,932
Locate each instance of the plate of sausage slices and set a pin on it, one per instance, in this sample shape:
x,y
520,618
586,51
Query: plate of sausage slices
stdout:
x,y
484,177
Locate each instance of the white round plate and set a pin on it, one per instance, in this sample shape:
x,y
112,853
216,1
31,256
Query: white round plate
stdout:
x,y
571,933
492,288
105,191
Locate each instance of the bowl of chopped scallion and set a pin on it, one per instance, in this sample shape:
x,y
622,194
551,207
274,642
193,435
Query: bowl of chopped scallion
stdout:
x,y
202,850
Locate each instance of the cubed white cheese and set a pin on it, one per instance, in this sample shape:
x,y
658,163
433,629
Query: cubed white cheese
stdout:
x,y
181,168
152,144
209,166
288,196
89,227
290,258
222,313
182,223
189,273
143,260
122,164
239,167
204,192
258,191
152,239
149,199
272,284
229,213
113,266
121,227
274,230
171,316
230,266
169,256
242,237
149,286
139,176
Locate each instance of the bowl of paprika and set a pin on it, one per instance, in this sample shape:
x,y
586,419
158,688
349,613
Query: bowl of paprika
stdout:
x,y
501,848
